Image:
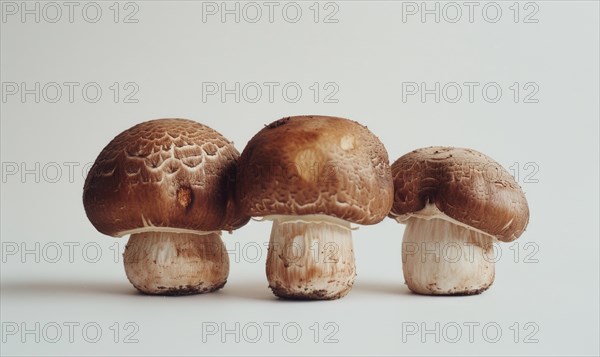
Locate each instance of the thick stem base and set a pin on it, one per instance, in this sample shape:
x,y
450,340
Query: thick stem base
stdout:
x,y
310,259
162,263
443,258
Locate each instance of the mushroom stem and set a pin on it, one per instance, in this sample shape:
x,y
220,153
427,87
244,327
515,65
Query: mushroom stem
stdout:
x,y
443,258
166,263
310,257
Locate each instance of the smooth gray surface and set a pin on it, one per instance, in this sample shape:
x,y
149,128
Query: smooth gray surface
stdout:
x,y
550,289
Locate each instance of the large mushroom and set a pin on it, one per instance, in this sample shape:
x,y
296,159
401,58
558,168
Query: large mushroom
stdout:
x,y
455,203
313,176
169,184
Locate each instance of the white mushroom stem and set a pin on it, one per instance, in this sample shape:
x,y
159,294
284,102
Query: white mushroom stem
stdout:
x,y
310,257
168,263
440,257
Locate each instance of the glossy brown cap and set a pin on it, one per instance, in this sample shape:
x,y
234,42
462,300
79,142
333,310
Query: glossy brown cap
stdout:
x,y
164,174
465,185
316,165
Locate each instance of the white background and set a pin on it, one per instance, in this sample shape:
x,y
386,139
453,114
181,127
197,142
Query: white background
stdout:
x,y
549,287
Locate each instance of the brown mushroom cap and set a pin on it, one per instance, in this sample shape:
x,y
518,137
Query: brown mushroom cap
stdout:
x,y
163,174
465,185
316,165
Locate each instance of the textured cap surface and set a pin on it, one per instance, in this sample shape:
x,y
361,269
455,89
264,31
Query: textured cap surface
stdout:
x,y
316,165
167,173
465,185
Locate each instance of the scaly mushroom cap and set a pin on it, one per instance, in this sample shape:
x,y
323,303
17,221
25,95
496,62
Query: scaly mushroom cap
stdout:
x,y
316,165
465,185
164,174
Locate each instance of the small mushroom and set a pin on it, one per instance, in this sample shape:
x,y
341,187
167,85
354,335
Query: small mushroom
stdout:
x,y
169,184
455,203
313,176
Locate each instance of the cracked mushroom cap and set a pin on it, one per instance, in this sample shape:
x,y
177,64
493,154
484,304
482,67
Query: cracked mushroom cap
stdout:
x,y
464,185
308,165
163,175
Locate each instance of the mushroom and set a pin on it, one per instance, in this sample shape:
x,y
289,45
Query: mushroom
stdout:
x,y
313,176
456,203
169,184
